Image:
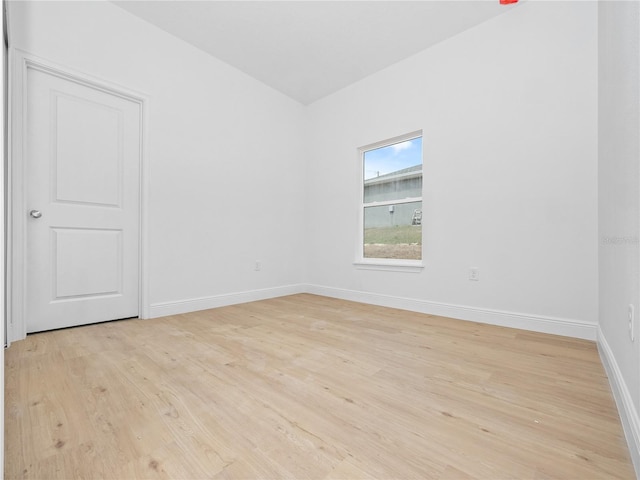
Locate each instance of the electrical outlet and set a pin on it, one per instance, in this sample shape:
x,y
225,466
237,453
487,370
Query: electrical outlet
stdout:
x,y
474,274
258,266
632,319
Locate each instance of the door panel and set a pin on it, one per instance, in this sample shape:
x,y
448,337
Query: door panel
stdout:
x,y
75,262
88,147
82,177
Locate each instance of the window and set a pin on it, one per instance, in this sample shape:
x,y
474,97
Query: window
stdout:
x,y
391,211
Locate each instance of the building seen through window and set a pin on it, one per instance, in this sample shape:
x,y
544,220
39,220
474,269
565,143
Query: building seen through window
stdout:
x,y
392,200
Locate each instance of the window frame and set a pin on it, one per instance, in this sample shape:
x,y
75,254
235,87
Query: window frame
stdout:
x,y
389,264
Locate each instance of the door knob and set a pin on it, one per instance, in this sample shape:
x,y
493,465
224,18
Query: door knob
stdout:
x,y
35,213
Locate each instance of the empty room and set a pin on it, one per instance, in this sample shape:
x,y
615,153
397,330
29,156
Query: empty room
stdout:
x,y
321,239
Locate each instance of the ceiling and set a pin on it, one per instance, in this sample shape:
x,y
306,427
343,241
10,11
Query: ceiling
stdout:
x,y
309,49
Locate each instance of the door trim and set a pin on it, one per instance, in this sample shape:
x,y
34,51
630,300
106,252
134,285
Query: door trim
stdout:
x,y
19,63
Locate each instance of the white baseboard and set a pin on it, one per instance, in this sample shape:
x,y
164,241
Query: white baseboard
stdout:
x,y
536,323
223,300
626,408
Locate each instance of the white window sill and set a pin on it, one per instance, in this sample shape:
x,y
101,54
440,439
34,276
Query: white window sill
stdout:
x,y
411,266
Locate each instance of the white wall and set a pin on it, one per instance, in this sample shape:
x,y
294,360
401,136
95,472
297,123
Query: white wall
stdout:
x,y
509,115
508,110
619,213
226,157
3,145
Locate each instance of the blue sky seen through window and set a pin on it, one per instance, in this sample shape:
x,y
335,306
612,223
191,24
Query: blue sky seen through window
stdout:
x,y
392,158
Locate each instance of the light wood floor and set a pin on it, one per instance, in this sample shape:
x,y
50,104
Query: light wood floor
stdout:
x,y
308,387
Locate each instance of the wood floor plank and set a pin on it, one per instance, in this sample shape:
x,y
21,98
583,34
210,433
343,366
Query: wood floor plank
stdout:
x,y
308,387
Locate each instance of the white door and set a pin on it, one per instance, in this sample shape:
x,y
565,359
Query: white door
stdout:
x,y
82,199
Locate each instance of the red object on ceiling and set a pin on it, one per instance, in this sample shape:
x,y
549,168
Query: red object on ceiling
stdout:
x,y
507,2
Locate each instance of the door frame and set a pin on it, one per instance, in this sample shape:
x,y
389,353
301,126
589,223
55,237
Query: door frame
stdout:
x,y
19,64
